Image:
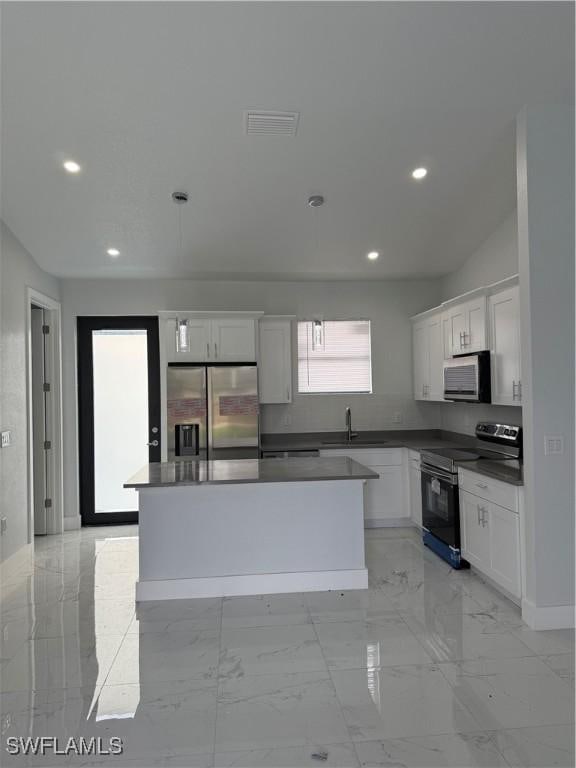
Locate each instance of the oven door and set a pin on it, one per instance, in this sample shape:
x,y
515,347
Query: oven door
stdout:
x,y
440,510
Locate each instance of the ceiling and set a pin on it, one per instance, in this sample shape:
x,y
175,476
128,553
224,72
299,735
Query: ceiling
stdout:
x,y
149,99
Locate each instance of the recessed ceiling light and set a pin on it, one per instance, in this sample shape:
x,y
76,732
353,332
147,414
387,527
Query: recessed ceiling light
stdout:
x,y
113,252
373,255
71,166
419,173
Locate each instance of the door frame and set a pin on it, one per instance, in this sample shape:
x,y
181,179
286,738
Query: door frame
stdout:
x,y
84,327
55,513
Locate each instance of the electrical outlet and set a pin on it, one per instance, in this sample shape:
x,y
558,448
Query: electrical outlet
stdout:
x,y
553,445
397,418
6,439
287,419
3,525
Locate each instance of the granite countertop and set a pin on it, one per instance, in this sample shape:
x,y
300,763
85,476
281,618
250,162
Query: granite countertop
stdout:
x,y
170,473
508,471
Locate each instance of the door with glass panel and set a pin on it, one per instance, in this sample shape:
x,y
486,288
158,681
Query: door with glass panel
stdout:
x,y
119,412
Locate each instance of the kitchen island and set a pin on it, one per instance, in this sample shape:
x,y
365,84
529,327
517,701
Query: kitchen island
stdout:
x,y
250,526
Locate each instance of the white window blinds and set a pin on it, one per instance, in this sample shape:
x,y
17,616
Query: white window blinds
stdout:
x,y
334,356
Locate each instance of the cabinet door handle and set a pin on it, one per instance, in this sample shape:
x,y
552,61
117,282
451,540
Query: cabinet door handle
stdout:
x,y
207,349
478,513
519,390
481,485
215,350
484,518
287,393
513,390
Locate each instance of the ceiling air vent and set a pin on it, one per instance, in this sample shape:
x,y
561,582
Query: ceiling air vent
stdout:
x,y
259,123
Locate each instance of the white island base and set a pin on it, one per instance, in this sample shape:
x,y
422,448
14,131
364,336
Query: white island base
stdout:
x,y
250,538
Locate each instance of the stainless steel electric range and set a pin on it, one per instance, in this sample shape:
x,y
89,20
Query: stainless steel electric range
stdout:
x,y
439,481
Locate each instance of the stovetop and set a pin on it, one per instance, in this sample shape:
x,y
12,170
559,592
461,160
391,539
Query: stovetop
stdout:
x,y
447,458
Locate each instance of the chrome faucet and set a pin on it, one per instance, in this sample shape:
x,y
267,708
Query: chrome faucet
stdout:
x,y
349,434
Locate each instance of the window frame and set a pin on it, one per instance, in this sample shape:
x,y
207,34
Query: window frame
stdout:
x,y
369,391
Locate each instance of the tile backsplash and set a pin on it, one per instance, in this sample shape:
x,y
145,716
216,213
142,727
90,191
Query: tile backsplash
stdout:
x,y
317,413
463,417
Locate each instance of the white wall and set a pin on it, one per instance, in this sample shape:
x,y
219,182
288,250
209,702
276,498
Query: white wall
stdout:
x,y
18,271
388,305
494,260
545,163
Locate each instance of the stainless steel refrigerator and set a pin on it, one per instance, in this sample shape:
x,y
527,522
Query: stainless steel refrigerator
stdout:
x,y
212,412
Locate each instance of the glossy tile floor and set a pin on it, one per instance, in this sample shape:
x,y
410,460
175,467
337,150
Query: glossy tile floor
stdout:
x,y
429,667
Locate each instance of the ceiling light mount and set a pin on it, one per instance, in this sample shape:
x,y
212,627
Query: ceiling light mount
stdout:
x,y
71,166
114,252
180,197
315,201
373,255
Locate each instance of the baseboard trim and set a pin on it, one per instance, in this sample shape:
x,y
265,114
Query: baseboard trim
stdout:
x,y
548,616
251,584
389,522
22,558
72,523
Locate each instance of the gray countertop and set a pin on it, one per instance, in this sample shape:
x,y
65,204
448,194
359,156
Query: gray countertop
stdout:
x,y
509,471
414,439
170,473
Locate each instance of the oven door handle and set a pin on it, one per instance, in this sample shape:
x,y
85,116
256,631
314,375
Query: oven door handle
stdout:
x,y
438,474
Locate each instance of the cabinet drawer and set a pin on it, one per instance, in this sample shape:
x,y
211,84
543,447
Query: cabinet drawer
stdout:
x,y
370,457
487,488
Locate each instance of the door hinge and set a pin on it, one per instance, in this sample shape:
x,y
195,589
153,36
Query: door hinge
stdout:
x,y
45,329
47,503
46,386
47,445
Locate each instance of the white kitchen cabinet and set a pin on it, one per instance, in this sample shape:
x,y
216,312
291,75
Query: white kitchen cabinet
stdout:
x,y
385,500
473,532
504,332
204,338
466,326
428,356
234,339
415,488
491,537
275,360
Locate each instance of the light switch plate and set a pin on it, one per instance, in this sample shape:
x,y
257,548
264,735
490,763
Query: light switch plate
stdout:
x,y
6,439
553,445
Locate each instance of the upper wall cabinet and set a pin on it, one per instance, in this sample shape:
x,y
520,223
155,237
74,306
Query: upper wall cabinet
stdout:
x,y
465,326
275,360
504,332
428,355
190,337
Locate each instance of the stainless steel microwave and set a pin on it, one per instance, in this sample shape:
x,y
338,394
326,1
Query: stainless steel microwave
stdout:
x,y
467,378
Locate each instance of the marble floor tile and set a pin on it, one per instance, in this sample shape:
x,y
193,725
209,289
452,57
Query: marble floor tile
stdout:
x,y
461,750
267,650
392,702
165,656
55,713
419,595
360,644
310,756
264,711
546,641
67,662
264,610
541,747
356,605
155,720
460,636
562,664
85,619
177,615
511,693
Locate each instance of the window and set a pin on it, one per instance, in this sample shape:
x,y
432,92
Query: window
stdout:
x,y
334,356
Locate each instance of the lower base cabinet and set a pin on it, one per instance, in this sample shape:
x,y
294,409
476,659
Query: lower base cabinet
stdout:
x,y
385,501
491,540
415,488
